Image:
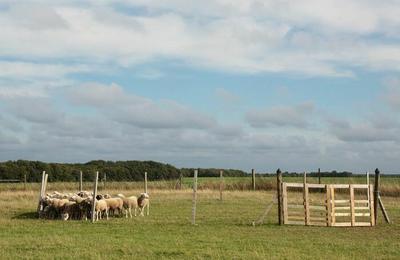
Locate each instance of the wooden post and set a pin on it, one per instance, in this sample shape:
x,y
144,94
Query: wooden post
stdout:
x,y
368,191
328,205
80,181
24,181
221,184
145,182
39,208
376,194
194,197
284,203
253,179
352,210
45,185
306,201
383,210
319,175
371,205
94,196
180,180
333,216
104,180
279,195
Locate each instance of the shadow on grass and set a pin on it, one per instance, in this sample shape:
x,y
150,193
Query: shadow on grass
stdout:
x,y
26,215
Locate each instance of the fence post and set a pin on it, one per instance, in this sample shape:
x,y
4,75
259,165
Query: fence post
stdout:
x,y
80,181
253,179
104,180
45,184
194,197
376,194
306,201
39,208
319,175
279,195
145,182
180,180
94,196
24,181
221,184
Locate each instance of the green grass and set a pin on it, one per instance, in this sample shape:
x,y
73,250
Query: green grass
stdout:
x,y
223,231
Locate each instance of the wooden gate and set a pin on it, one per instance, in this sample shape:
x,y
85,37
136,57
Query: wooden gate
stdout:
x,y
328,204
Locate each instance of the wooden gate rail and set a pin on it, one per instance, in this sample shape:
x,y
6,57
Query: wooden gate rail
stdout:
x,y
329,208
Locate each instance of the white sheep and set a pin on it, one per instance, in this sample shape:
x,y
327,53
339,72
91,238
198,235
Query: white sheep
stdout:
x,y
115,204
143,202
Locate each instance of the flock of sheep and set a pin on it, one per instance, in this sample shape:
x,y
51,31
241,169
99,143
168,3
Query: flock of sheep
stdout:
x,y
78,206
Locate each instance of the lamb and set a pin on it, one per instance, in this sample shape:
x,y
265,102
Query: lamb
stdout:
x,y
143,202
115,204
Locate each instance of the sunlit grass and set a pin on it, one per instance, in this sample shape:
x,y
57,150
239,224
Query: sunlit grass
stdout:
x,y
223,230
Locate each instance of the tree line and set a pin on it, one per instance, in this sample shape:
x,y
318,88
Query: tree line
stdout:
x,y
114,170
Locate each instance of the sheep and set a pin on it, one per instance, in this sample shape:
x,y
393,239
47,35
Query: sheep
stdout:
x,y
129,203
68,211
115,204
101,205
143,202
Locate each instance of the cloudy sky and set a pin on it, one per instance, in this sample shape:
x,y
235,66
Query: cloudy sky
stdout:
x,y
214,83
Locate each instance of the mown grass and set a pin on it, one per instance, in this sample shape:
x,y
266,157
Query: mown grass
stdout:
x,y
223,231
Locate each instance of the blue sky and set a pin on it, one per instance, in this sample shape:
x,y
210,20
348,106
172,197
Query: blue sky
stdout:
x,y
231,84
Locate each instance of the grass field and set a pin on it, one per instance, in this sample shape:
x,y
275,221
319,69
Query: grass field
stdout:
x,y
224,230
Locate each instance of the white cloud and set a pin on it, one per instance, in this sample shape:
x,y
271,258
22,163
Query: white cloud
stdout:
x,y
129,108
296,116
326,38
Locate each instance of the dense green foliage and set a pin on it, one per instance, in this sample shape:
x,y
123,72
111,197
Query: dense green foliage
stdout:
x,y
212,172
115,171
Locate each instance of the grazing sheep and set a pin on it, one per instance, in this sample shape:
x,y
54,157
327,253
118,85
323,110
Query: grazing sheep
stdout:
x,y
143,202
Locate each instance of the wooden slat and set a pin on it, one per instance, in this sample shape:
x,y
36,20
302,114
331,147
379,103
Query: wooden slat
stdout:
x,y
361,208
360,186
294,185
383,210
340,186
333,205
316,186
306,204
362,214
328,205
295,223
343,224
342,208
342,201
319,224
352,212
342,214
363,224
371,204
285,203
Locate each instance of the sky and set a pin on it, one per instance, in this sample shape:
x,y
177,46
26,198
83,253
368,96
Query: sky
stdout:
x,y
297,85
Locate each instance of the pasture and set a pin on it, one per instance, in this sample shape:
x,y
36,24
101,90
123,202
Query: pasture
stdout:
x,y
223,229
